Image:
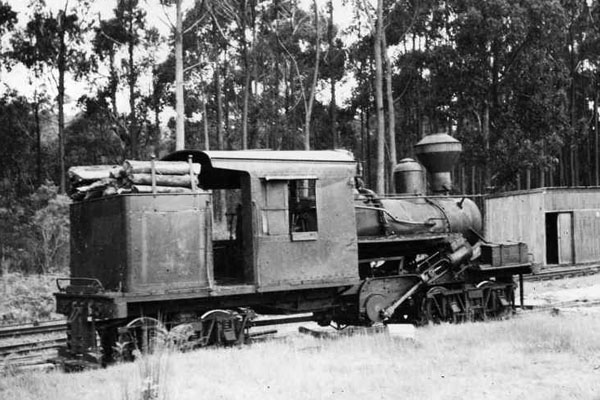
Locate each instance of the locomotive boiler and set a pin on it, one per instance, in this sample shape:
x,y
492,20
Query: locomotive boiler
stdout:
x,y
299,232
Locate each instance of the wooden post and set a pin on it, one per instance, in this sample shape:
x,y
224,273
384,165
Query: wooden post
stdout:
x,y
192,176
153,173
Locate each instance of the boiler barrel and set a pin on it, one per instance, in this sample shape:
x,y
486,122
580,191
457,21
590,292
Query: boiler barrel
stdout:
x,y
420,215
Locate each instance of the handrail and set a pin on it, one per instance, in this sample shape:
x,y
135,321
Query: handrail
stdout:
x,y
88,283
427,223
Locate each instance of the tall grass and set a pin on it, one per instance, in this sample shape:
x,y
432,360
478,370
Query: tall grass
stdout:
x,y
151,378
531,357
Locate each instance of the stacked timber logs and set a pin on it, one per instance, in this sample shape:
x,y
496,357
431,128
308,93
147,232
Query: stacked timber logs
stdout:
x,y
93,181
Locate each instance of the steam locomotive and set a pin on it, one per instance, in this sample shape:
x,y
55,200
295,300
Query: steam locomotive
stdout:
x,y
303,235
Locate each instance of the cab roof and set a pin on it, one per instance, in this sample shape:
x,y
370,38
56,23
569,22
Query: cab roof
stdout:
x,y
214,158
221,169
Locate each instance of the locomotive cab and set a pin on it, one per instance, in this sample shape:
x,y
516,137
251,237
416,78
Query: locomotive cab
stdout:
x,y
282,220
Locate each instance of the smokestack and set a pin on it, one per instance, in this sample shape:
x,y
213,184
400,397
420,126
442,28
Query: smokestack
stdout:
x,y
438,153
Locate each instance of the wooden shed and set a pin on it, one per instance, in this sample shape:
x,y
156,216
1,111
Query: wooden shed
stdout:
x,y
560,225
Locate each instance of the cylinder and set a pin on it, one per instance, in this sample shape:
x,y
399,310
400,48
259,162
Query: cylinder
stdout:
x,y
409,177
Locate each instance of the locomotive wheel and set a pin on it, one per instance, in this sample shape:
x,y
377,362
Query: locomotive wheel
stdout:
x,y
142,335
373,305
221,327
182,337
435,307
493,306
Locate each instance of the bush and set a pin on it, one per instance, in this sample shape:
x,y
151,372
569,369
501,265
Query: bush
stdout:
x,y
34,231
26,298
51,225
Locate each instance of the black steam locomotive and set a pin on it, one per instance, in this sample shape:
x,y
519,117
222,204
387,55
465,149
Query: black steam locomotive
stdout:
x,y
302,235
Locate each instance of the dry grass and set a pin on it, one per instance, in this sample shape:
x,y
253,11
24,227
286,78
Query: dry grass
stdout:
x,y
150,380
531,357
560,284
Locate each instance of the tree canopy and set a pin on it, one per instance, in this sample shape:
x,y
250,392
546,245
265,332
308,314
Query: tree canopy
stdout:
x,y
518,82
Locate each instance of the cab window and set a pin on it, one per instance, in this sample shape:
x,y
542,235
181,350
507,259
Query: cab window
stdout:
x,y
302,207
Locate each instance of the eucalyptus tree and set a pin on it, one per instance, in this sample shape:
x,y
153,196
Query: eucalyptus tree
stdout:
x,y
499,74
8,19
177,33
17,150
130,47
299,37
133,18
590,47
109,37
53,42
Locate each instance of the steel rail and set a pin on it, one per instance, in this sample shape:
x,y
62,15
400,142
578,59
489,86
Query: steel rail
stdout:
x,y
36,346
54,327
561,273
31,329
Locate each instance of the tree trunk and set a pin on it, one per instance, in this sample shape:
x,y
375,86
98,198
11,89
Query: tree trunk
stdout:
x,y
473,179
161,180
332,81
288,78
362,140
391,111
369,148
131,167
245,105
38,135
380,169
542,182
180,122
61,111
205,125
573,66
156,142
247,82
313,86
114,82
133,134
485,130
217,76
596,164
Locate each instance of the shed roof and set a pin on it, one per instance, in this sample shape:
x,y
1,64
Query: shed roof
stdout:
x,y
544,190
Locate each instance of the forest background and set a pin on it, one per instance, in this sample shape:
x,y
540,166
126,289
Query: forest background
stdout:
x,y
517,81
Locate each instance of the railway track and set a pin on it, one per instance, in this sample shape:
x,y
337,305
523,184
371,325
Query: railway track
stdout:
x,y
563,272
31,346
31,352
13,331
